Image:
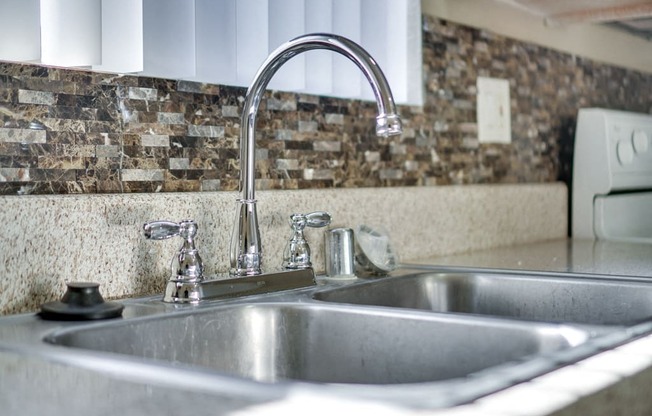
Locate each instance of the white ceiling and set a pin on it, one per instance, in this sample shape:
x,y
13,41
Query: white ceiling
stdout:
x,y
634,16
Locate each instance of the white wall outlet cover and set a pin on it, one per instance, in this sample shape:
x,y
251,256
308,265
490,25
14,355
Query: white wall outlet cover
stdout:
x,y
493,111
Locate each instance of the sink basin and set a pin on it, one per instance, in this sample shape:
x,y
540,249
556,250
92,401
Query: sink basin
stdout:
x,y
323,343
594,301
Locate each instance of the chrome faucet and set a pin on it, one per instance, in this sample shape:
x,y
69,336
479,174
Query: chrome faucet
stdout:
x,y
186,282
246,251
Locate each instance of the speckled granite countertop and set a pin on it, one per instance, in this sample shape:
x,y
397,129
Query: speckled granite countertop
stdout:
x,y
560,255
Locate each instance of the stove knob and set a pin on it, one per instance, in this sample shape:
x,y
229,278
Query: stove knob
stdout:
x,y
625,152
640,141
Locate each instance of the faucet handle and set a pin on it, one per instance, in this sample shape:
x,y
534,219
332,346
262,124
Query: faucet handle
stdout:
x,y
297,250
187,265
314,220
318,219
162,230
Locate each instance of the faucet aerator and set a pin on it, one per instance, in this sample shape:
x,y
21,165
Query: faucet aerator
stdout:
x,y
388,125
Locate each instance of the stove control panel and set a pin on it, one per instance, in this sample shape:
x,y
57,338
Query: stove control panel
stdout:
x,y
613,153
628,144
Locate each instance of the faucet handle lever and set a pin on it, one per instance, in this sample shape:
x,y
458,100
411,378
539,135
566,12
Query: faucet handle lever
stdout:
x,y
318,219
314,220
162,230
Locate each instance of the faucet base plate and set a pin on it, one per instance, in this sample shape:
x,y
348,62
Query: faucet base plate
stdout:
x,y
194,292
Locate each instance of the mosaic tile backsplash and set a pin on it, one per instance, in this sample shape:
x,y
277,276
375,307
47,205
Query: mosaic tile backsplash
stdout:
x,y
69,131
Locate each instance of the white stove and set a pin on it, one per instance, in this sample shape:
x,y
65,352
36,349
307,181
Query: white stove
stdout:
x,y
612,176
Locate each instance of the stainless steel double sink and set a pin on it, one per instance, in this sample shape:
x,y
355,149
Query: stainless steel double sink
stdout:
x,y
427,338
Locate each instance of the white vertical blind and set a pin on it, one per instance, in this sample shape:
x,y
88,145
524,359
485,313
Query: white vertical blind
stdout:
x,y
169,38
215,45
404,55
413,76
319,64
396,48
20,33
71,32
374,36
220,41
287,21
347,79
122,36
252,38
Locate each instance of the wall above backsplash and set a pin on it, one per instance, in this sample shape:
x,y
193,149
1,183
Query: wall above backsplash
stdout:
x,y
68,131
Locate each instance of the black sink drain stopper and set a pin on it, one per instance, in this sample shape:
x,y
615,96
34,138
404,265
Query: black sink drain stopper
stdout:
x,y
81,302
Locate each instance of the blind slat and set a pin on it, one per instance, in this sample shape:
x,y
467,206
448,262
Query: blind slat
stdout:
x,y
252,38
122,36
373,33
319,64
71,33
216,41
347,79
169,38
287,21
20,34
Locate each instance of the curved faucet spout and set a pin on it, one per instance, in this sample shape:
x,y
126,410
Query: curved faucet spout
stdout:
x,y
246,253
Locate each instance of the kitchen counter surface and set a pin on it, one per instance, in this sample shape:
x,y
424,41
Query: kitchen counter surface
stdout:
x,y
561,255
613,382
